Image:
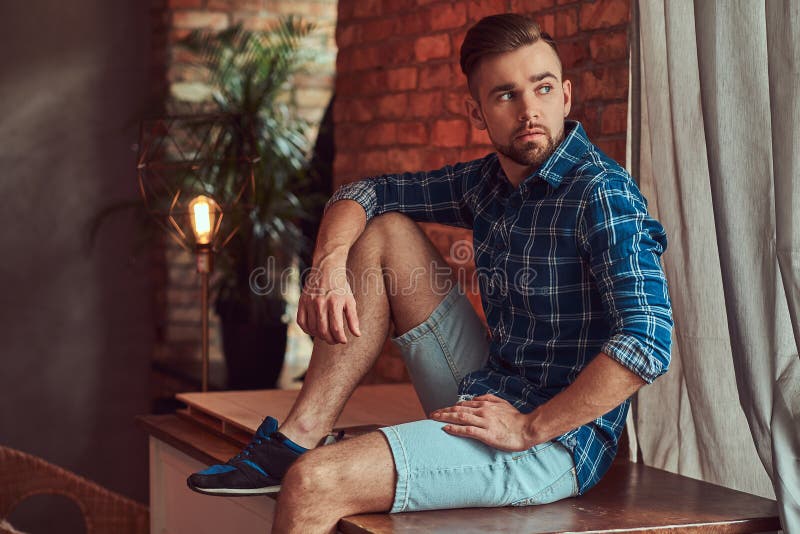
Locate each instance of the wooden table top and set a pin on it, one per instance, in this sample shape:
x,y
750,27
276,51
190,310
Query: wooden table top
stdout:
x,y
631,497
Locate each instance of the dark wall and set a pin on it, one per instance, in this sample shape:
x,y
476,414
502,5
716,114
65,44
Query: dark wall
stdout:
x,y
76,330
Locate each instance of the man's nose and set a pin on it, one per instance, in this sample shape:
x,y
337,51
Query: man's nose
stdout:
x,y
529,107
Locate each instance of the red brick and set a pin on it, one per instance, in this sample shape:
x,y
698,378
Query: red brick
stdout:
x,y
181,54
447,16
397,52
474,152
312,97
347,34
344,60
392,7
432,47
614,147
260,22
438,76
547,23
349,134
573,53
199,20
324,81
343,162
458,39
184,4
589,115
382,133
354,109
566,23
364,83
392,106
345,9
401,79
364,57
478,137
454,102
404,159
610,46
605,84
564,2
373,161
412,133
377,30
433,159
614,119
178,35
482,8
411,23
449,133
367,8
425,104
317,10
232,5
604,13
530,6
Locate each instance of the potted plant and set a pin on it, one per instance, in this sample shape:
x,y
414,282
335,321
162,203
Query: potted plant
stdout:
x,y
247,73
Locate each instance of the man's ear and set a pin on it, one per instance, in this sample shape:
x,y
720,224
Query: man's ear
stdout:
x,y
474,113
567,86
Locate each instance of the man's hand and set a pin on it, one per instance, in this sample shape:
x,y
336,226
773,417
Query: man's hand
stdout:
x,y
489,419
326,304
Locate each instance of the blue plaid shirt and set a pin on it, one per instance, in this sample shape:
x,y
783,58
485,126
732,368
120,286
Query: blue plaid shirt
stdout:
x,y
568,266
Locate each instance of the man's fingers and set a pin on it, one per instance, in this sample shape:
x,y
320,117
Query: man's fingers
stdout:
x,y
460,417
481,434
322,321
352,316
301,317
336,322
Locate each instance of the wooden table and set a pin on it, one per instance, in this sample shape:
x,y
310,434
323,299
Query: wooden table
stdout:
x,y
631,497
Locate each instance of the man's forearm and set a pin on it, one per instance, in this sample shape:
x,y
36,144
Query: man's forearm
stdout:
x,y
341,226
602,386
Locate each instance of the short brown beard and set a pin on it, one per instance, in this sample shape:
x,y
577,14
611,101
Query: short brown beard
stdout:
x,y
530,154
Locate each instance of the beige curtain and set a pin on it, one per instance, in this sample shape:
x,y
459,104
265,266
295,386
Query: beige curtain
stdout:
x,y
720,160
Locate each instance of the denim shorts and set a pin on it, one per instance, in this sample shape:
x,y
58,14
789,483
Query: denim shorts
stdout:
x,y
436,470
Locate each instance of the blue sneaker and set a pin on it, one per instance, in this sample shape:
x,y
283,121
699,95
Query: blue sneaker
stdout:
x,y
257,470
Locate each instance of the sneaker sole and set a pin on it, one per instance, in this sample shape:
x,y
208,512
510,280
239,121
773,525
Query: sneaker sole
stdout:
x,y
233,492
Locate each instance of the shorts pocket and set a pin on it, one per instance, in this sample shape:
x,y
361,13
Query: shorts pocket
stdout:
x,y
565,486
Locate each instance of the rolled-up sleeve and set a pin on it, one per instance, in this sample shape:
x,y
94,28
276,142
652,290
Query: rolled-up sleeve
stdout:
x,y
446,195
624,245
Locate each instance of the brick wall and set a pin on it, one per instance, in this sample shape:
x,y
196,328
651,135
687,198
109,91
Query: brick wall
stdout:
x,y
400,90
173,77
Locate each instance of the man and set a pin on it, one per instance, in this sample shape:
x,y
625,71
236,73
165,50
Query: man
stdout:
x,y
571,285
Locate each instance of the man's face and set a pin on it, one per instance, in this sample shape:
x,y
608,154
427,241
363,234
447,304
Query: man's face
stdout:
x,y
522,103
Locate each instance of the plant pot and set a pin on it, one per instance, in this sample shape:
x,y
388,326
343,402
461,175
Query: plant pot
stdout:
x,y
254,353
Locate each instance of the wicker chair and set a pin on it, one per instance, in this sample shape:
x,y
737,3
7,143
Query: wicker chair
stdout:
x,y
23,476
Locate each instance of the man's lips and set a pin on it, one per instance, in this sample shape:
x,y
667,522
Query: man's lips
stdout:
x,y
530,134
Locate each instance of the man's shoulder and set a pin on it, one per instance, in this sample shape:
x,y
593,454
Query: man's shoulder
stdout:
x,y
596,169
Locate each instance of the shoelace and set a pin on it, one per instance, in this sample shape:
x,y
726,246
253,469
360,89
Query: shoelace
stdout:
x,y
250,446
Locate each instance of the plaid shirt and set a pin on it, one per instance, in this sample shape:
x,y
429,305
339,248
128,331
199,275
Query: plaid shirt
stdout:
x,y
568,266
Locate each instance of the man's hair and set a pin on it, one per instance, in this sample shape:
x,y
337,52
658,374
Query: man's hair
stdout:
x,y
497,34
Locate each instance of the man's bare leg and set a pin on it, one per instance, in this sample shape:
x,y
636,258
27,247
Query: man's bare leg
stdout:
x,y
354,476
392,244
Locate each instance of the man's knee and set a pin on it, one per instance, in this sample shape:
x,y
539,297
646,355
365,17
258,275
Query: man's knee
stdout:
x,y
388,226
384,232
311,474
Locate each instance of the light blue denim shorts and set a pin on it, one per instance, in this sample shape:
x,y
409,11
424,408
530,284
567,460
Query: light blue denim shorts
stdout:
x,y
436,470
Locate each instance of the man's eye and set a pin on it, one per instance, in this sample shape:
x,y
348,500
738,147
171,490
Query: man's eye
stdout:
x,y
506,96
545,89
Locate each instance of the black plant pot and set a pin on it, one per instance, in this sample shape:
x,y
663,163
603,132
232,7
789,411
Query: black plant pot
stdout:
x,y
254,353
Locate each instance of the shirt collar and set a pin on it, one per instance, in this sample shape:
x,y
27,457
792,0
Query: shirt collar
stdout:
x,y
567,154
